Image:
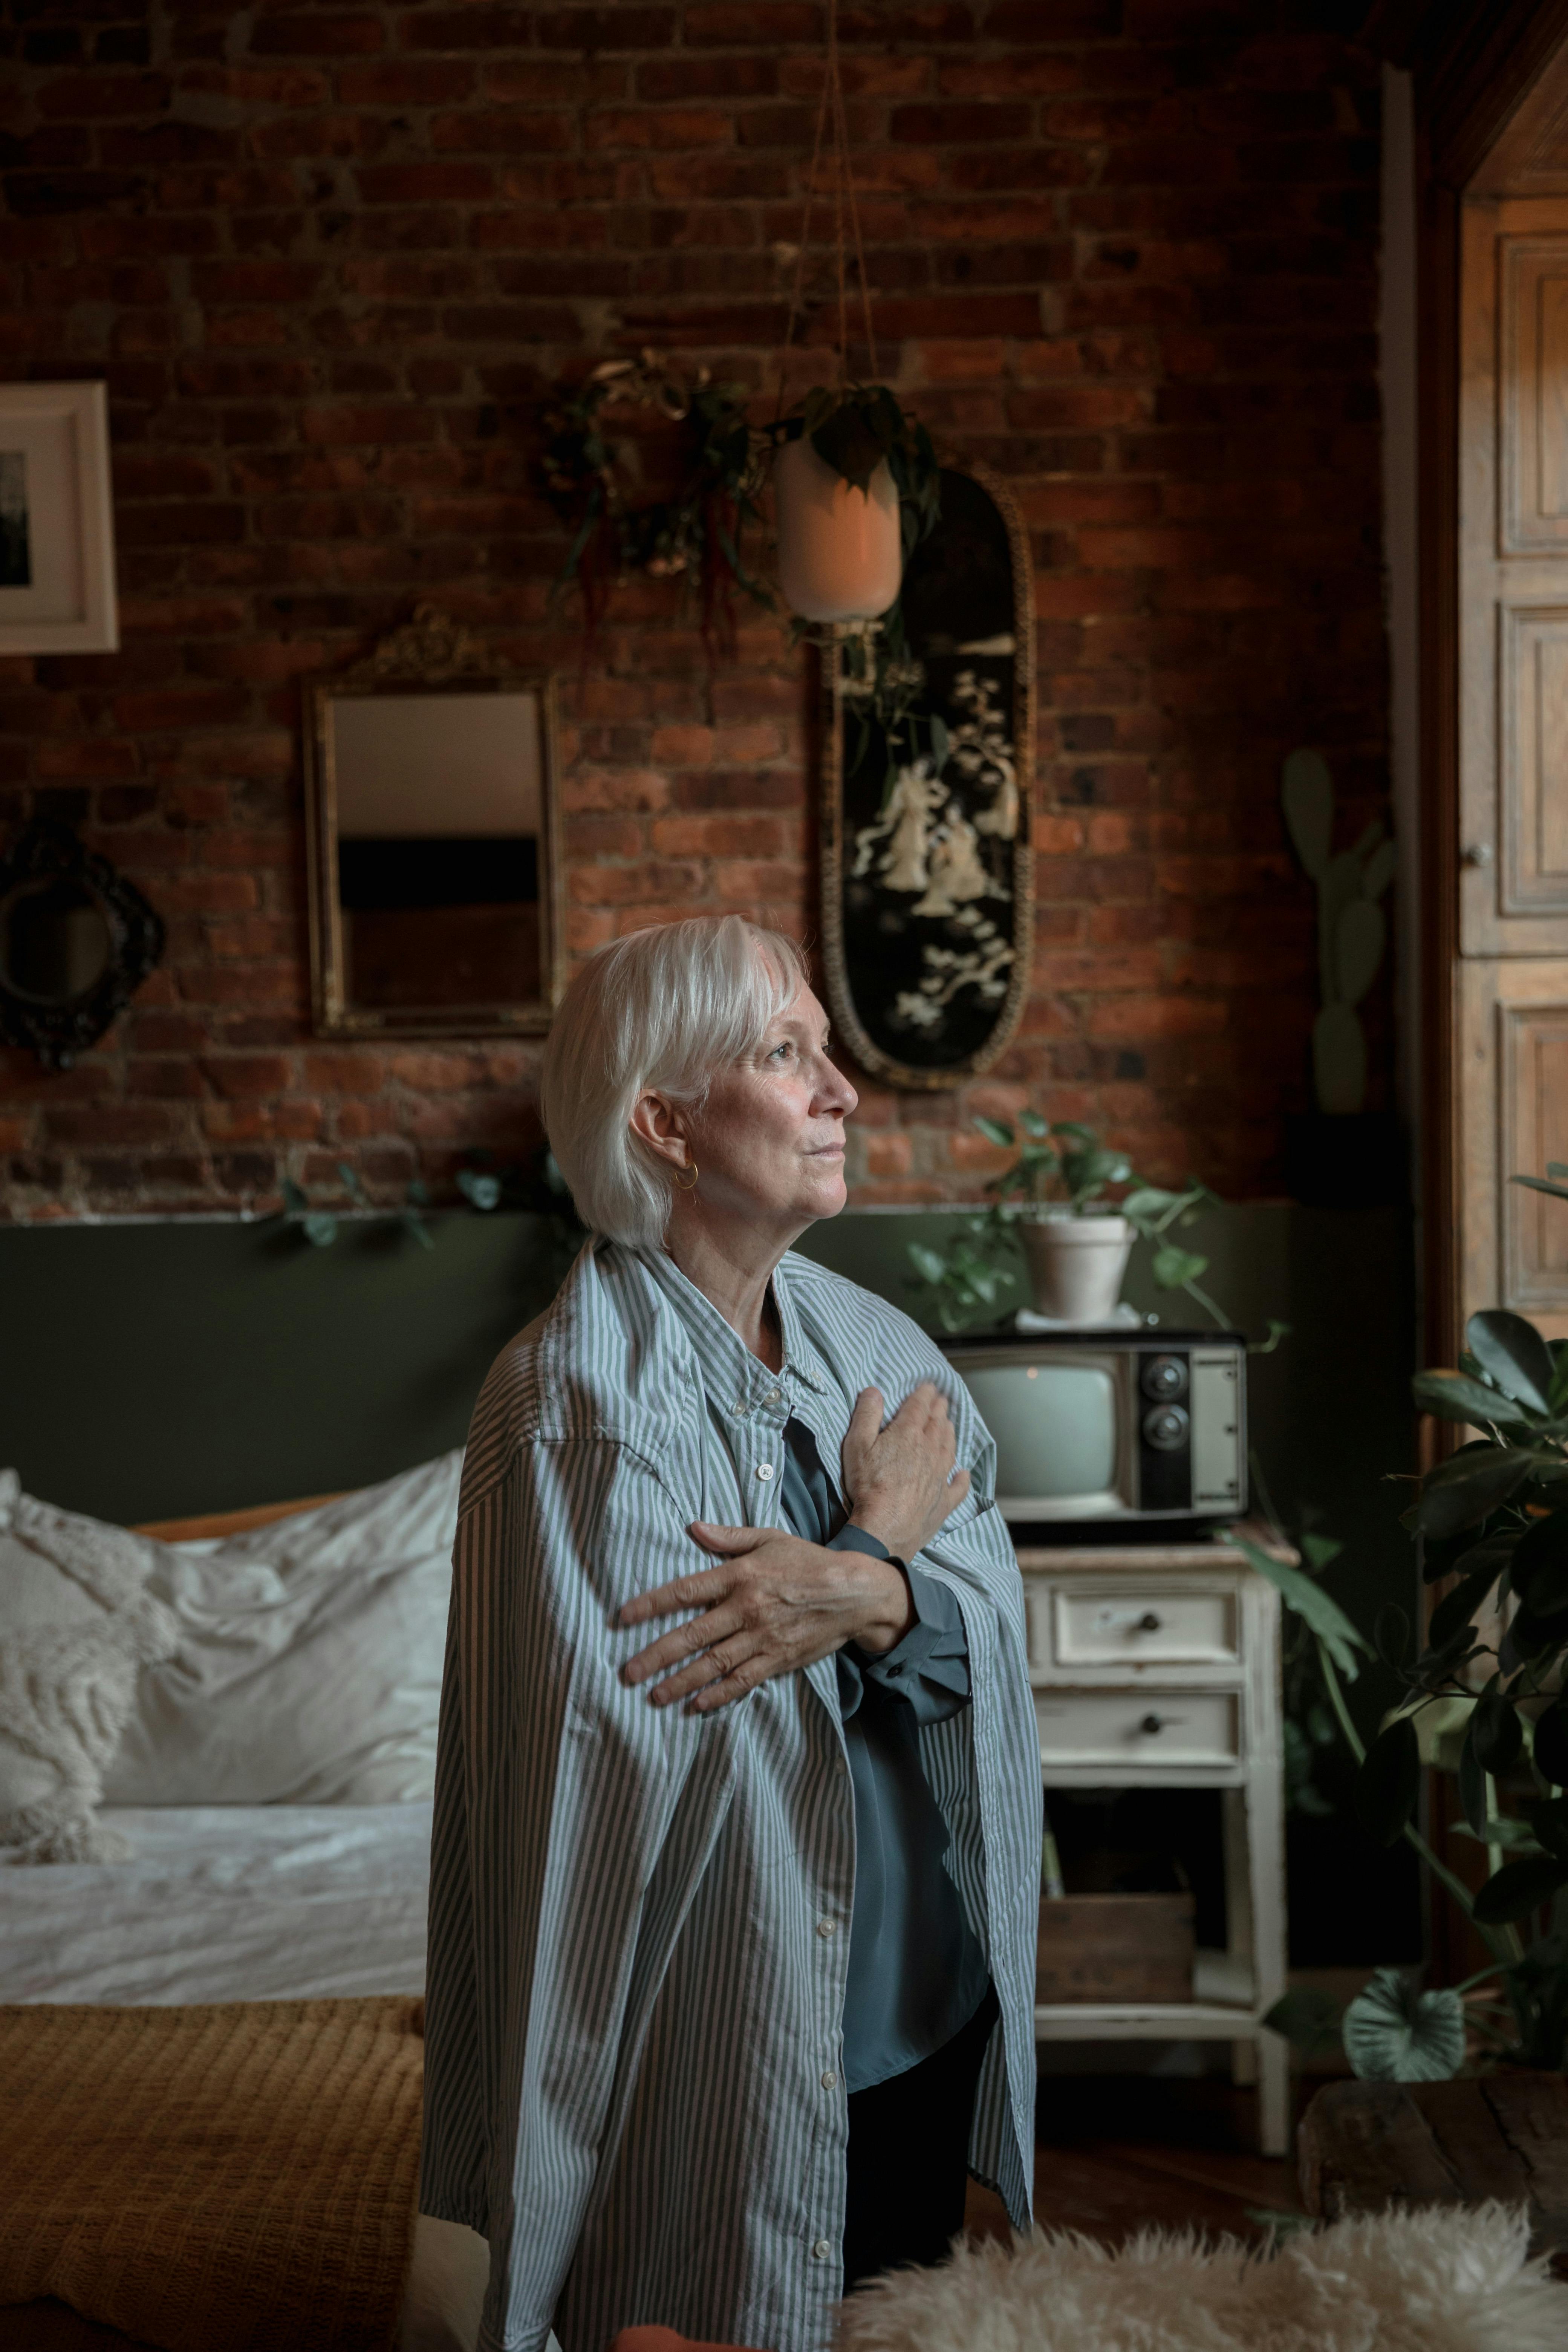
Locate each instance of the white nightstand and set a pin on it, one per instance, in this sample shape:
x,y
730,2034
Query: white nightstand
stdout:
x,y
1157,1665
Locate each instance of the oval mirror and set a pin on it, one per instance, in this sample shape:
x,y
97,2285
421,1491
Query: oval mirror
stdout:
x,y
927,865
55,940
76,940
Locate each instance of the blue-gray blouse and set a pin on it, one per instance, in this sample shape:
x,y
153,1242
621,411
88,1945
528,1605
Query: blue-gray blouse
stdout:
x,y
917,1973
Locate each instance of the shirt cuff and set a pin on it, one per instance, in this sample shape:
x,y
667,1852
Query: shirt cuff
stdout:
x,y
854,1539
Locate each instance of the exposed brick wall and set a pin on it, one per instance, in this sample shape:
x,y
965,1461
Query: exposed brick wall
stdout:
x,y
329,258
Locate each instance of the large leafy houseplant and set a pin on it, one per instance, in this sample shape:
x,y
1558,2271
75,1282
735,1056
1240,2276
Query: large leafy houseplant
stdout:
x,y
1489,1682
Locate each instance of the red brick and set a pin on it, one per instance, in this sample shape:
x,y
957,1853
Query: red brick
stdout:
x,y
416,83
647,881
769,24
306,33
101,97
91,1124
1089,235
662,127
683,747
721,836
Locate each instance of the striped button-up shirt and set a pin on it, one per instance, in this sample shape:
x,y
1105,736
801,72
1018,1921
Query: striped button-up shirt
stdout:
x,y
639,1918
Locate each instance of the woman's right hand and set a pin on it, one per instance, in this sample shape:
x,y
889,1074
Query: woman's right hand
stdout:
x,y
900,1478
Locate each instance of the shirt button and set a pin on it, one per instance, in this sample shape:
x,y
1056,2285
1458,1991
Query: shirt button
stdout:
x,y
764,1469
821,2250
828,1927
830,2081
772,1397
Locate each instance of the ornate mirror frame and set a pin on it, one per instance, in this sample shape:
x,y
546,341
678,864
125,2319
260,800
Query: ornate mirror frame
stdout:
x,y
839,829
431,654
58,1029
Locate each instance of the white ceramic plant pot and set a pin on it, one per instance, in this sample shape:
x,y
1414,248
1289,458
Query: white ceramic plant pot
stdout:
x,y
1075,1265
839,556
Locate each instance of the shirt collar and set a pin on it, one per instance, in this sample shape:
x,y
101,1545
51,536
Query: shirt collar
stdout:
x,y
730,1370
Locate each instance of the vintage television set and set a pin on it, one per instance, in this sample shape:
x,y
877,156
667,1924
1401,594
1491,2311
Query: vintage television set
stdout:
x,y
1110,1432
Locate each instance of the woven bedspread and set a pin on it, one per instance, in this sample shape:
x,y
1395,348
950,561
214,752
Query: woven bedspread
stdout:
x,y
241,2176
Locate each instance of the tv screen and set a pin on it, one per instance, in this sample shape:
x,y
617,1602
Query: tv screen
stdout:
x,y
1055,1425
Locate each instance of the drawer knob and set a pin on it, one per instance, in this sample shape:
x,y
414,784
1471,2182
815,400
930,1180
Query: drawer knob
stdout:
x,y
1151,1724
1150,1622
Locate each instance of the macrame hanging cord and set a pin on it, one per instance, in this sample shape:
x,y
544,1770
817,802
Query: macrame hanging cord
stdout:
x,y
832,107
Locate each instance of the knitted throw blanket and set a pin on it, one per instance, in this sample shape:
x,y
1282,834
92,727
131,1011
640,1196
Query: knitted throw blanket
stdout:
x,y
241,2176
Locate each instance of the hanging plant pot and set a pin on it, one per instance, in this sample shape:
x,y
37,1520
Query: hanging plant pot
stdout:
x,y
1075,1265
840,552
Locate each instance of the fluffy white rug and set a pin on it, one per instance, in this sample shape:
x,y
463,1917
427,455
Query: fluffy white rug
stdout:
x,y
1436,2279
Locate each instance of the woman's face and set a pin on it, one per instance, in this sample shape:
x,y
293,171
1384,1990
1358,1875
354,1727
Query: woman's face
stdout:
x,y
769,1140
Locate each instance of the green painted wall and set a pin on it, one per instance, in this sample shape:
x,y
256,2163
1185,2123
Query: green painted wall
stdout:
x,y
148,1371
152,1371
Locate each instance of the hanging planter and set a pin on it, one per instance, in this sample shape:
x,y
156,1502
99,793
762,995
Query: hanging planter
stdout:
x,y
856,484
856,479
840,555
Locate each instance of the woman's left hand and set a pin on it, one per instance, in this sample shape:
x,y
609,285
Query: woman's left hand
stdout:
x,y
776,1604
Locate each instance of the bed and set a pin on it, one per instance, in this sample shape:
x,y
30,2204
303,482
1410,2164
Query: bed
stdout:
x,y
304,1661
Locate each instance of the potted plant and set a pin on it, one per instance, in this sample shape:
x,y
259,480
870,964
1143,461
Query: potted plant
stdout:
x,y
1051,1205
1076,1244
855,482
1484,1693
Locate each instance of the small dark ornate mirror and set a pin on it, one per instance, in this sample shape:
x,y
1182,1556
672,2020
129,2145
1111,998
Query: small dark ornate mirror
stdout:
x,y
76,940
435,873
927,864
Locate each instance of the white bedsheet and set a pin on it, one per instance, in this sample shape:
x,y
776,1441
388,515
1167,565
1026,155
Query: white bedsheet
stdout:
x,y
226,1903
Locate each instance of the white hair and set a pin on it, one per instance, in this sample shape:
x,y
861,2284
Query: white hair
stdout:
x,y
662,1011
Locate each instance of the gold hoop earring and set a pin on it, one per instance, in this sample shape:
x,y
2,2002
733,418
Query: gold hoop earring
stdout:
x,y
690,1170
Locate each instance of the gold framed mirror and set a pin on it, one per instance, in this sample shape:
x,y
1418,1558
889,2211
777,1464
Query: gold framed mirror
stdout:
x,y
437,886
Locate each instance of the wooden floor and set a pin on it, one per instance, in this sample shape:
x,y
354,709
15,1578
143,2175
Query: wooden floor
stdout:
x,y
1113,2153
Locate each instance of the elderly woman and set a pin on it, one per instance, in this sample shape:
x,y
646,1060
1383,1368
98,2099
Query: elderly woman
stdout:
x,y
732,1929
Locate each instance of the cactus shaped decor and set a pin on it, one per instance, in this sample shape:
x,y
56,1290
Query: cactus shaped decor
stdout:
x,y
1350,927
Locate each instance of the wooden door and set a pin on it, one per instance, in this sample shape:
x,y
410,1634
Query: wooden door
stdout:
x,y
1509,995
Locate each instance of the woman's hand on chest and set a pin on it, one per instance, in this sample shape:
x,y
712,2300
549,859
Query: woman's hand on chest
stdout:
x,y
901,1480
775,1604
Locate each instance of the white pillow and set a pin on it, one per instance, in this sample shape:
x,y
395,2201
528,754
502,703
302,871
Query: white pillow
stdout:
x,y
76,1624
309,1664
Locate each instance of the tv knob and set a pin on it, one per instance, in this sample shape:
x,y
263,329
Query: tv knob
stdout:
x,y
1166,1428
1165,1376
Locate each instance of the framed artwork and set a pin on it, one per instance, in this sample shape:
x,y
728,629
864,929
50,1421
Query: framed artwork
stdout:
x,y
436,880
57,520
928,905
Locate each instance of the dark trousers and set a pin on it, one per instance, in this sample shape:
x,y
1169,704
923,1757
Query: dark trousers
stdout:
x,y
909,2149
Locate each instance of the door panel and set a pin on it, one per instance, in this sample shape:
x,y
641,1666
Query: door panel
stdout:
x,y
1513,1065
1533,369
1532,750
1513,607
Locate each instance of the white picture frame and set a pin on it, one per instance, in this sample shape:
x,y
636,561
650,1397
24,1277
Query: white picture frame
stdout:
x,y
57,520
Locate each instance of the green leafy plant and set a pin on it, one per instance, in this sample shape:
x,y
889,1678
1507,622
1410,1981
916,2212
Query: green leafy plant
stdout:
x,y
1493,1517
1062,1168
320,1227
855,428
535,1187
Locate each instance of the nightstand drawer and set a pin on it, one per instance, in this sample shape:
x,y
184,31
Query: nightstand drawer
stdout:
x,y
1173,1727
1159,1627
